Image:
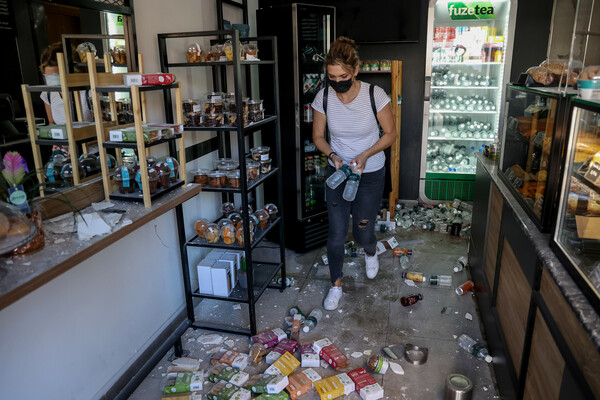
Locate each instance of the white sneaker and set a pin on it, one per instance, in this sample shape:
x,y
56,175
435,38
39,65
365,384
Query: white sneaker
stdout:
x,y
371,266
333,298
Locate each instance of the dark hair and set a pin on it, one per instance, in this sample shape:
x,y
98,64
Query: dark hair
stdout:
x,y
48,58
343,52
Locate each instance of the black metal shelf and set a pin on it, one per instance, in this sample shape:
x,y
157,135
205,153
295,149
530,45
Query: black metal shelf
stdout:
x,y
253,184
221,328
246,129
142,88
133,145
61,142
53,88
202,242
264,273
138,196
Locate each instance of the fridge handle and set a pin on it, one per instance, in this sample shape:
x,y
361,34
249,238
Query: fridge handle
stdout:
x,y
427,93
297,115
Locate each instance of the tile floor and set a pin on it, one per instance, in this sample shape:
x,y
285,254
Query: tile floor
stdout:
x,y
370,317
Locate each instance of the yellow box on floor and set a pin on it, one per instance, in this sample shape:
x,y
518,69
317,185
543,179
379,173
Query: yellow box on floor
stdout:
x,y
334,386
285,365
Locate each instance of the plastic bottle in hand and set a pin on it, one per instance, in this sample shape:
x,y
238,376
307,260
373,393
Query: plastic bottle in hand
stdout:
x,y
352,186
460,264
471,346
339,176
404,261
312,320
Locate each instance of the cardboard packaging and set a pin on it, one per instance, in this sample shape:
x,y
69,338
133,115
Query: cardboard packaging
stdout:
x,y
334,387
309,358
279,396
271,384
365,384
302,382
269,338
285,365
227,391
223,372
232,260
205,276
320,344
148,79
182,382
235,359
291,346
175,129
221,278
328,352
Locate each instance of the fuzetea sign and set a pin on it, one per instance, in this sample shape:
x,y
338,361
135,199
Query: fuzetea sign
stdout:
x,y
477,10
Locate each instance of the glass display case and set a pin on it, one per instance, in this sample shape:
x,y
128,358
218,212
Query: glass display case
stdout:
x,y
576,236
531,148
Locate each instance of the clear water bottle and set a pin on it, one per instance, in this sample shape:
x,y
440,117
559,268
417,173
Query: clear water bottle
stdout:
x,y
404,261
351,186
460,264
471,346
339,176
440,280
312,320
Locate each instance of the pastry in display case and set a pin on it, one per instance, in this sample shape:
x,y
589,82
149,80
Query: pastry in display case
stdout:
x,y
530,159
576,237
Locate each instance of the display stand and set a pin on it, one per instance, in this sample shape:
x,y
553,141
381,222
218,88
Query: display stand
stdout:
x,y
109,82
69,83
259,275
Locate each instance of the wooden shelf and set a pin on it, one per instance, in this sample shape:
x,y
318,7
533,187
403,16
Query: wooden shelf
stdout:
x,y
134,145
137,195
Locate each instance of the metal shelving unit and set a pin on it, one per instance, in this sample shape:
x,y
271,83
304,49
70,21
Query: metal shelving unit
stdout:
x,y
259,274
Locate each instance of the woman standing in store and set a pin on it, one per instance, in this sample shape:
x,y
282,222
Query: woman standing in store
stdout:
x,y
355,139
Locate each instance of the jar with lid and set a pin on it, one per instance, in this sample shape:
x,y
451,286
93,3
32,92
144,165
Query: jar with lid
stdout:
x,y
200,176
255,105
164,174
231,119
200,226
260,153
193,119
119,55
263,218
191,105
235,218
213,120
228,50
250,51
227,164
272,210
240,236
228,233
227,209
174,164
218,53
213,105
256,116
84,48
90,163
217,179
233,177
253,223
152,180
385,65
194,53
252,169
265,166
66,173
125,178
211,233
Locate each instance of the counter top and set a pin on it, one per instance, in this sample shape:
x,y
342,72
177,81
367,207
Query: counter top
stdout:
x,y
584,311
21,275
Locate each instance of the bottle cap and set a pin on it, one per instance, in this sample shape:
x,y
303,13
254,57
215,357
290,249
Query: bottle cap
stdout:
x,y
307,329
488,358
455,269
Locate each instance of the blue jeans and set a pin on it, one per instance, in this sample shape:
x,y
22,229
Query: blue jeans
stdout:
x,y
364,214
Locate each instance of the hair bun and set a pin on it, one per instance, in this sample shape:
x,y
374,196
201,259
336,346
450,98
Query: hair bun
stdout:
x,y
345,40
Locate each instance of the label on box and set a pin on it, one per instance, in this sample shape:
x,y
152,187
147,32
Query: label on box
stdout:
x,y
372,392
380,248
330,388
241,361
361,378
392,242
593,173
115,136
347,382
280,334
309,358
264,157
299,385
258,384
57,133
157,79
286,364
196,108
197,380
268,339
228,357
277,384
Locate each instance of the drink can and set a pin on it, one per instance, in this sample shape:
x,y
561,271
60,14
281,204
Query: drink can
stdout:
x,y
308,113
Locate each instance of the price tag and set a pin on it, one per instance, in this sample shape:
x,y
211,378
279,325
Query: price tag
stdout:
x,y
57,133
593,173
116,136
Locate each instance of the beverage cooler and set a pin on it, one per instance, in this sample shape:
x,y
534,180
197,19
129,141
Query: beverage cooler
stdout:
x,y
469,47
304,33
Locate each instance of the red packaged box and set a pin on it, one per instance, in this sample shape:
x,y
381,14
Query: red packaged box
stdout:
x,y
269,338
334,357
361,378
148,79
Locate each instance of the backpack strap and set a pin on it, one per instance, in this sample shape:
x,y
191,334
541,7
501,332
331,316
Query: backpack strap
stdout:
x,y
325,96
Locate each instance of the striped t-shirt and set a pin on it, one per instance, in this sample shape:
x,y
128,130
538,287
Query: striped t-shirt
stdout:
x,y
353,127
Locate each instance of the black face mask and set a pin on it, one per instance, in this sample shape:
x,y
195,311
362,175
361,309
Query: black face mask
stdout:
x,y
341,86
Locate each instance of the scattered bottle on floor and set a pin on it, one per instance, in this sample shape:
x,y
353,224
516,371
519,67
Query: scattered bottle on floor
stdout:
x,y
312,320
296,310
417,277
470,345
440,280
354,251
460,264
339,176
464,288
412,299
428,226
404,261
398,252
352,186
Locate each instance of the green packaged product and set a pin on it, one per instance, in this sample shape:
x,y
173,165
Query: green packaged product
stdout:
x,y
258,384
128,135
278,396
227,391
223,372
182,382
52,132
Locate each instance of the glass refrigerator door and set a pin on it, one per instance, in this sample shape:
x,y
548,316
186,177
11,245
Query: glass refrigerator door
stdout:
x,y
467,47
314,34
577,233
